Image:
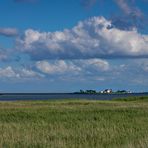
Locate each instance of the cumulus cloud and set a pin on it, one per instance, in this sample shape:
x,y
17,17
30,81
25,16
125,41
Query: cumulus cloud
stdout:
x,y
28,73
97,65
9,72
8,32
73,66
92,38
58,67
94,70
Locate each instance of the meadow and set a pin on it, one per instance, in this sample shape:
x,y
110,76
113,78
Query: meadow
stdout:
x,y
74,124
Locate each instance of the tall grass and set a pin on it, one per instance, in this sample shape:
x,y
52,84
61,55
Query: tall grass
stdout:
x,y
141,98
74,124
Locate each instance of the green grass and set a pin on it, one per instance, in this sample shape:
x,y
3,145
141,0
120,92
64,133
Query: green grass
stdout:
x,y
74,124
141,98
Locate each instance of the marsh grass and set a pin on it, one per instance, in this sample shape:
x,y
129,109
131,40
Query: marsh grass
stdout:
x,y
141,98
74,124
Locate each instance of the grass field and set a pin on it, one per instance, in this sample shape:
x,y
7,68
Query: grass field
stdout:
x,y
74,124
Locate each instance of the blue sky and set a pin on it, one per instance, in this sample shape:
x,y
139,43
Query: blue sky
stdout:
x,y
68,45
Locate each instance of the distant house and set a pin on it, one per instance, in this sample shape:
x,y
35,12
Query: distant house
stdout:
x,y
107,91
101,91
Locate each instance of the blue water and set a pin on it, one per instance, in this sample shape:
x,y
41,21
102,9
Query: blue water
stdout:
x,y
52,96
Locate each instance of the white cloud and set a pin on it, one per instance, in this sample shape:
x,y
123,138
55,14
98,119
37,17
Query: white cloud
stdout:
x,y
59,66
92,38
28,73
9,32
73,66
9,72
94,64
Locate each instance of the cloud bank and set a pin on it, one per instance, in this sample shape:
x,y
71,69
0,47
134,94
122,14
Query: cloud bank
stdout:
x,y
92,38
73,66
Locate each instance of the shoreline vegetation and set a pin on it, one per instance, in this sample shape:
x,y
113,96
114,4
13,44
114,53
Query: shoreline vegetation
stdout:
x,y
106,91
75,123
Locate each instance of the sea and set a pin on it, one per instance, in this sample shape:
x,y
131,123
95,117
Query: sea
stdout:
x,y
58,96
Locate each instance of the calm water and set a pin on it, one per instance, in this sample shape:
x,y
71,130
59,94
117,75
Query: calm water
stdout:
x,y
51,96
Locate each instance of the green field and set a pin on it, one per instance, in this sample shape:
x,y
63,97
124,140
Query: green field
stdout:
x,y
74,124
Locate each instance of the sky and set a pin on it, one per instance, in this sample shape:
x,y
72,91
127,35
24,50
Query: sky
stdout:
x,y
68,45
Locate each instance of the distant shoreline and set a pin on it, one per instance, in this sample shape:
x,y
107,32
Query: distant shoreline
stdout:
x,y
46,93
59,96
